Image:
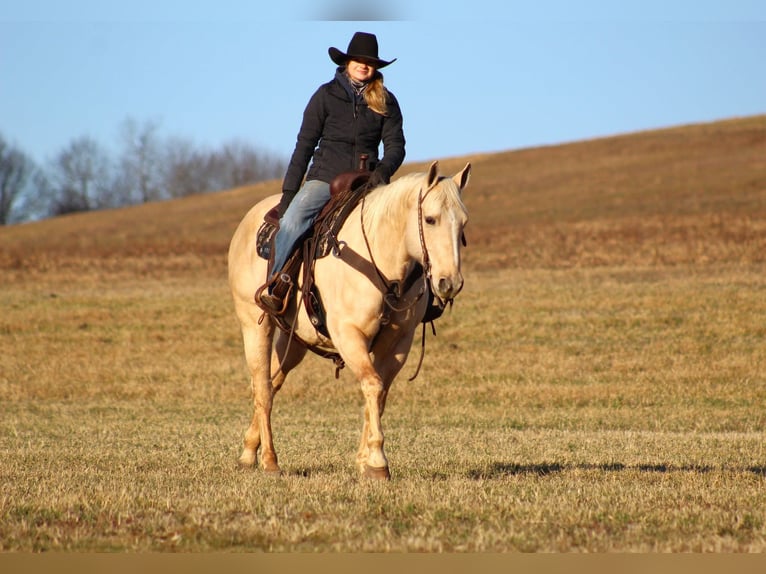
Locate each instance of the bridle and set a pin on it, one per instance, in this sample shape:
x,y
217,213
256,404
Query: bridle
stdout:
x,y
392,290
421,235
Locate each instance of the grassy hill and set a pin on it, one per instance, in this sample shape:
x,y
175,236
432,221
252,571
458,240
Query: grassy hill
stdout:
x,y
691,194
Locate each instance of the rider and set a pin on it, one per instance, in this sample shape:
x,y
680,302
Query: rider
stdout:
x,y
345,118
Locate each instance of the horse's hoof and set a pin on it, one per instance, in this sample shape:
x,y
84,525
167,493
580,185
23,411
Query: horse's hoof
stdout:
x,y
272,470
377,473
246,462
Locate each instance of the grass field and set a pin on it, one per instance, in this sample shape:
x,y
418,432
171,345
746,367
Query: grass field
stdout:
x,y
598,386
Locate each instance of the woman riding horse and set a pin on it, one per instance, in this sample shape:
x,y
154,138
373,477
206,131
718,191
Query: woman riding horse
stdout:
x,y
345,118
402,240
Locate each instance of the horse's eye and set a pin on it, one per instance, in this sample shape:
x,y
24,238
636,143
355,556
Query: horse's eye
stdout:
x,y
430,220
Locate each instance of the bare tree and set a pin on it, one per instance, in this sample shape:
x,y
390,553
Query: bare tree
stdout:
x,y
239,163
84,177
79,178
15,169
185,168
189,169
140,162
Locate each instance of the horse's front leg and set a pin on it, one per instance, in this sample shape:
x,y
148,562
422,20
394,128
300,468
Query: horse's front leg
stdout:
x,y
375,464
354,349
363,454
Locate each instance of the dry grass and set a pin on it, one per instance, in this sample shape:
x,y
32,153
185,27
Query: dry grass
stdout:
x,y
598,386
607,411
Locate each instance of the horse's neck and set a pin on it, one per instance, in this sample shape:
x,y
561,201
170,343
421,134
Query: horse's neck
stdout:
x,y
387,242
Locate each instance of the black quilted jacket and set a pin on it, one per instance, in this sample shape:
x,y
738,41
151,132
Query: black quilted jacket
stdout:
x,y
337,128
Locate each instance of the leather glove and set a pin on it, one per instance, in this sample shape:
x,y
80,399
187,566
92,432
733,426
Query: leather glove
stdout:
x,y
379,177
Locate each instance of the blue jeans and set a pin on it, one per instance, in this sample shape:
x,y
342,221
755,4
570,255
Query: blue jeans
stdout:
x,y
298,218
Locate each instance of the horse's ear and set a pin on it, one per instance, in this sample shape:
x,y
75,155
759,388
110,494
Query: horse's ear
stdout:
x,y
433,175
461,179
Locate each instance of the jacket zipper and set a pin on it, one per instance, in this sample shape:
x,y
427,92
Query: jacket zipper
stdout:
x,y
355,159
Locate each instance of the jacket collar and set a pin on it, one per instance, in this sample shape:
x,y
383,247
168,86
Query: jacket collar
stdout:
x,y
342,79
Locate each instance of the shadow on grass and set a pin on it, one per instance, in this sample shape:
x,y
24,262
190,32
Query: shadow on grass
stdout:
x,y
501,469
504,469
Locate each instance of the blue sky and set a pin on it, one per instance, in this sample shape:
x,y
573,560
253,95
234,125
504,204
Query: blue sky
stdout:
x,y
499,76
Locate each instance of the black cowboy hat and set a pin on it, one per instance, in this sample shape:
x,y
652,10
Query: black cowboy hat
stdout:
x,y
364,47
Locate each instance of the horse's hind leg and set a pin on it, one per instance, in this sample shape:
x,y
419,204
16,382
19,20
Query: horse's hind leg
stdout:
x,y
281,360
257,342
284,358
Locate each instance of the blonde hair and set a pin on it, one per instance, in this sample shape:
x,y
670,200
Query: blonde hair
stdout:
x,y
375,95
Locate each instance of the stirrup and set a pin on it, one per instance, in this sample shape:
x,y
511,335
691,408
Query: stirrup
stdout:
x,y
275,302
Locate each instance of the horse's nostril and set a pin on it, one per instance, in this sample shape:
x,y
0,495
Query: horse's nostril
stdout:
x,y
445,286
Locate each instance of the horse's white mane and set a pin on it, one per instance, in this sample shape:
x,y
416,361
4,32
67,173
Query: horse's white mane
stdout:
x,y
387,202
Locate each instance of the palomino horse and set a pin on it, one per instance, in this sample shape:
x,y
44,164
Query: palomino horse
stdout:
x,y
418,218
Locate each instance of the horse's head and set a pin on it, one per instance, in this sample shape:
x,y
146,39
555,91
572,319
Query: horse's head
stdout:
x,y
441,217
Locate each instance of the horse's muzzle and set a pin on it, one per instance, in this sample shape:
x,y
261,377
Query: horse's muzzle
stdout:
x,y
447,288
